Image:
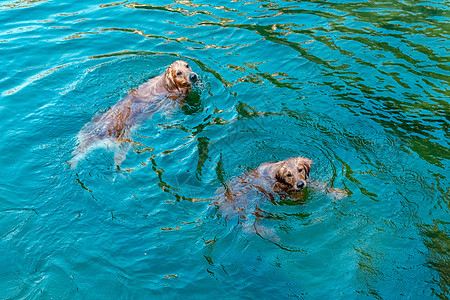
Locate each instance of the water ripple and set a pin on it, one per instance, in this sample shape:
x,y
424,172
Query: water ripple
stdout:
x,y
360,87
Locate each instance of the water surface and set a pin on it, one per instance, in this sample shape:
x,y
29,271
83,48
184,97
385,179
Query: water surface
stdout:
x,y
359,87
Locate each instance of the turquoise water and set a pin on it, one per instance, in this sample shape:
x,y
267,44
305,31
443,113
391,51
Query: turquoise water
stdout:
x,y
359,87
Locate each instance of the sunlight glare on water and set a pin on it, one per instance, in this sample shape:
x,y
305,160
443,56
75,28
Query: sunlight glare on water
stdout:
x,y
359,87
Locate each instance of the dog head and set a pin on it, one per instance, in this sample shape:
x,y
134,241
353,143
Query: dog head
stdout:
x,y
180,77
291,174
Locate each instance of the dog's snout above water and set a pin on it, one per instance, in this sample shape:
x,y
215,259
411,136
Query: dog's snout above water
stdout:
x,y
300,185
193,77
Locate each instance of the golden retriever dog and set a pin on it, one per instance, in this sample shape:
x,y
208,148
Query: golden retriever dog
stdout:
x,y
114,127
289,175
241,199
242,196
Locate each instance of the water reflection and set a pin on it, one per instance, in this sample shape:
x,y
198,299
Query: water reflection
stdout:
x,y
438,242
361,87
21,4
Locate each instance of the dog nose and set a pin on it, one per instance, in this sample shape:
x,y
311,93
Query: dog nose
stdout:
x,y
193,77
300,185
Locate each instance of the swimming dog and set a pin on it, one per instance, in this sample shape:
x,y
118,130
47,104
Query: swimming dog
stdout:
x,y
114,127
241,200
241,197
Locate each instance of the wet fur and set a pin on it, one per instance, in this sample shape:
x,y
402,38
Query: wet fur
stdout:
x,y
114,127
240,197
289,175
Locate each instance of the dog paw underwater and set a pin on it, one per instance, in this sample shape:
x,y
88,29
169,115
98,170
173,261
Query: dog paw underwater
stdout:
x,y
113,129
247,201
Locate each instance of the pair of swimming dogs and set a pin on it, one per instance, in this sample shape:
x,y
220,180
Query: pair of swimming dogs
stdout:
x,y
114,128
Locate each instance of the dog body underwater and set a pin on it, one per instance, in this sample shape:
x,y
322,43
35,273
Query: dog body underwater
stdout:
x,y
114,127
244,202
240,201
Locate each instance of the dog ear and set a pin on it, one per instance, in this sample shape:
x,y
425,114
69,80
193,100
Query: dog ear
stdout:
x,y
169,76
174,75
307,165
279,175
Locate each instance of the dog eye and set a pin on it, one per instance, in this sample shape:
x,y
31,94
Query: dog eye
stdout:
x,y
179,74
289,175
300,170
187,66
